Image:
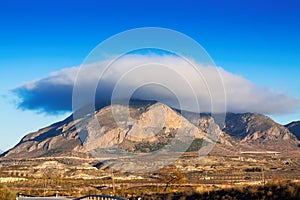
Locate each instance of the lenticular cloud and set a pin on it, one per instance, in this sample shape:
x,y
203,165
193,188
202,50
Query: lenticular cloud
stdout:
x,y
53,93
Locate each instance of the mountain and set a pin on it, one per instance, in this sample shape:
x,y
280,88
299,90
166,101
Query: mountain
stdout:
x,y
294,127
255,127
150,127
256,132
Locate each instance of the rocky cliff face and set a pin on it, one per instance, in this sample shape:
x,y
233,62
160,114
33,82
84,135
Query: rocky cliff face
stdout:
x,y
146,128
153,125
294,127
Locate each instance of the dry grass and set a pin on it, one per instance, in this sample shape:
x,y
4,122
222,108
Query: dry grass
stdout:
x,y
288,191
6,193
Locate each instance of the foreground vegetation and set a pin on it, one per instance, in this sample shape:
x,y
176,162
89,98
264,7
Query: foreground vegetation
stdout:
x,y
216,177
279,190
288,191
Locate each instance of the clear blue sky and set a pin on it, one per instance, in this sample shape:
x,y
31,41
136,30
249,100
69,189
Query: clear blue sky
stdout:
x,y
257,39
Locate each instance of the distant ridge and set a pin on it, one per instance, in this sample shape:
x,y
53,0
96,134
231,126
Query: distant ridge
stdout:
x,y
255,127
294,127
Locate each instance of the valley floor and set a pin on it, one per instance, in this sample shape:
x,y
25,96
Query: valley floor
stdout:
x,y
189,176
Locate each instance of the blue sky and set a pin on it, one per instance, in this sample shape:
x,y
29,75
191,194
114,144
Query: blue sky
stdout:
x,y
257,39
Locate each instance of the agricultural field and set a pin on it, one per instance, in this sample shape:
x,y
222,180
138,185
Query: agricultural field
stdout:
x,y
188,177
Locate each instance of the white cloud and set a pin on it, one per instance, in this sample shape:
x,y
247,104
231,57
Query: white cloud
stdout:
x,y
54,93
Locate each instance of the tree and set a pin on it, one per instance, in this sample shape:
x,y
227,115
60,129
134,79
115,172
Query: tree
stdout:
x,y
170,175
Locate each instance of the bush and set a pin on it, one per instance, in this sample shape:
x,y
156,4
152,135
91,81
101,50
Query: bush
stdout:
x,y
255,169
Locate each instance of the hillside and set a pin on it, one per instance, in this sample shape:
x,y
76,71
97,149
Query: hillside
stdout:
x,y
294,128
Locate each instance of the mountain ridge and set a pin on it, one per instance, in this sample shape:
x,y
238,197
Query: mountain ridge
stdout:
x,y
138,134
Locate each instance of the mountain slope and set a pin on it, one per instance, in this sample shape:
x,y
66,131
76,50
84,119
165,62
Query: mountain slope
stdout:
x,y
255,127
294,127
58,138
